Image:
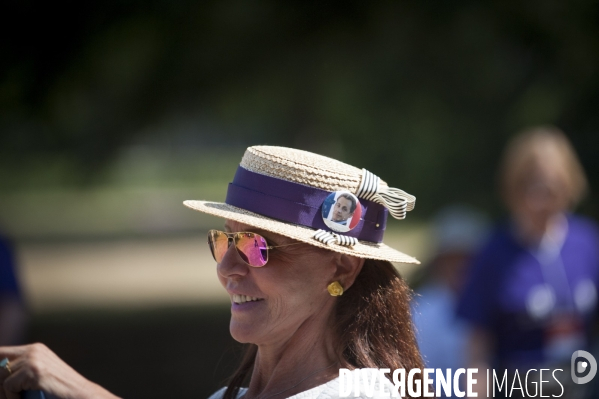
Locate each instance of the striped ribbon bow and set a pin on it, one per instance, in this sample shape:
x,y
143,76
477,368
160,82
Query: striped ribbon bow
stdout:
x,y
328,238
397,201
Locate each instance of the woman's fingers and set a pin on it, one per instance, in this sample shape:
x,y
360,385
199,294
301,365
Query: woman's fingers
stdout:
x,y
6,370
3,375
35,367
28,366
11,376
17,382
11,351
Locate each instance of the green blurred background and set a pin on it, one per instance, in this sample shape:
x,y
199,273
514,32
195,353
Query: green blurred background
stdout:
x,y
112,113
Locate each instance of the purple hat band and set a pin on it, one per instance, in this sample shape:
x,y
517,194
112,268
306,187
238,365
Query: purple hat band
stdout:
x,y
298,204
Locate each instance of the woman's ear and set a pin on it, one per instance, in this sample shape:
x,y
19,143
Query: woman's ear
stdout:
x,y
348,268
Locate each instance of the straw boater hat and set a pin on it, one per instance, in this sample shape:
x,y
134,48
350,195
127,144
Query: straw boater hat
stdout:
x,y
290,192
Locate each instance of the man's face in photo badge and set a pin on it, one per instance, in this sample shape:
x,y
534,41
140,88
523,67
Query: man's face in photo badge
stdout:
x,y
341,211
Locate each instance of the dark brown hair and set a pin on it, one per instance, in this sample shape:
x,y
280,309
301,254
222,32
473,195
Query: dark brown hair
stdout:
x,y
373,324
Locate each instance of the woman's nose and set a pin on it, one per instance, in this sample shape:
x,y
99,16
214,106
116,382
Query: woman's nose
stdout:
x,y
232,264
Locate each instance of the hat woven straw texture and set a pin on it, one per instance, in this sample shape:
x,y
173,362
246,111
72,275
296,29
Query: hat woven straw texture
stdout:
x,y
311,170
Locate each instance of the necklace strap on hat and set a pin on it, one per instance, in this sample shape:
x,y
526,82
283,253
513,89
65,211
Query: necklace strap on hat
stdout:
x,y
397,201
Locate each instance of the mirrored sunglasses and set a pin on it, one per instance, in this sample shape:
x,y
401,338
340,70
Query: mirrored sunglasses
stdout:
x,y
251,247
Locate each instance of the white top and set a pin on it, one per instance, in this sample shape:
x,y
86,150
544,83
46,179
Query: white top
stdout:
x,y
330,390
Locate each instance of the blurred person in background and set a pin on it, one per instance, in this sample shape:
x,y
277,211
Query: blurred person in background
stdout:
x,y
12,312
458,231
531,295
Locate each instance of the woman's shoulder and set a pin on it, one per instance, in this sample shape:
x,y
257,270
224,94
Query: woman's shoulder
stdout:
x,y
369,387
219,394
582,226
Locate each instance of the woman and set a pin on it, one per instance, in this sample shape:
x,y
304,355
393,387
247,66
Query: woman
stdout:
x,y
532,292
306,300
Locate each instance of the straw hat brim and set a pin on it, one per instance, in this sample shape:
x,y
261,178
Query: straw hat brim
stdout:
x,y
363,249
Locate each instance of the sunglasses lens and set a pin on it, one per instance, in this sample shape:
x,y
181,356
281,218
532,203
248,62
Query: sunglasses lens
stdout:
x,y
219,243
252,248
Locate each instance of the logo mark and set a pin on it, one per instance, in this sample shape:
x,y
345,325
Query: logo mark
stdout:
x,y
582,366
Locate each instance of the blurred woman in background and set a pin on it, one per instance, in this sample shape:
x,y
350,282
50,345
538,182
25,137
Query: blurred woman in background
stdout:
x,y
531,298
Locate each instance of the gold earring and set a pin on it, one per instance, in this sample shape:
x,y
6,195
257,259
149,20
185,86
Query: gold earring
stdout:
x,y
335,289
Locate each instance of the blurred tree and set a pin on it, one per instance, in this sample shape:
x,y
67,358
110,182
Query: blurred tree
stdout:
x,y
427,91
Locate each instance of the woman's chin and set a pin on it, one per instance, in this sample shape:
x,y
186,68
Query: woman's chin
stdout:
x,y
242,332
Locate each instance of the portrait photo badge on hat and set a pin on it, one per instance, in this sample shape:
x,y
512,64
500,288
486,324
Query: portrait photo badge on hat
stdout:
x,y
313,199
341,211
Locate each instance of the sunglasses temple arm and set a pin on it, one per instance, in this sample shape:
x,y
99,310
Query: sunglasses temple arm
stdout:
x,y
285,245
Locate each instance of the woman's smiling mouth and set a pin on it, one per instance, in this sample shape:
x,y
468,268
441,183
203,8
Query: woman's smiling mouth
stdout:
x,y
244,298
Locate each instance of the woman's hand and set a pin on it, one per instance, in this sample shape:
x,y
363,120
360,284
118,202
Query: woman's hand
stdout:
x,y
35,367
